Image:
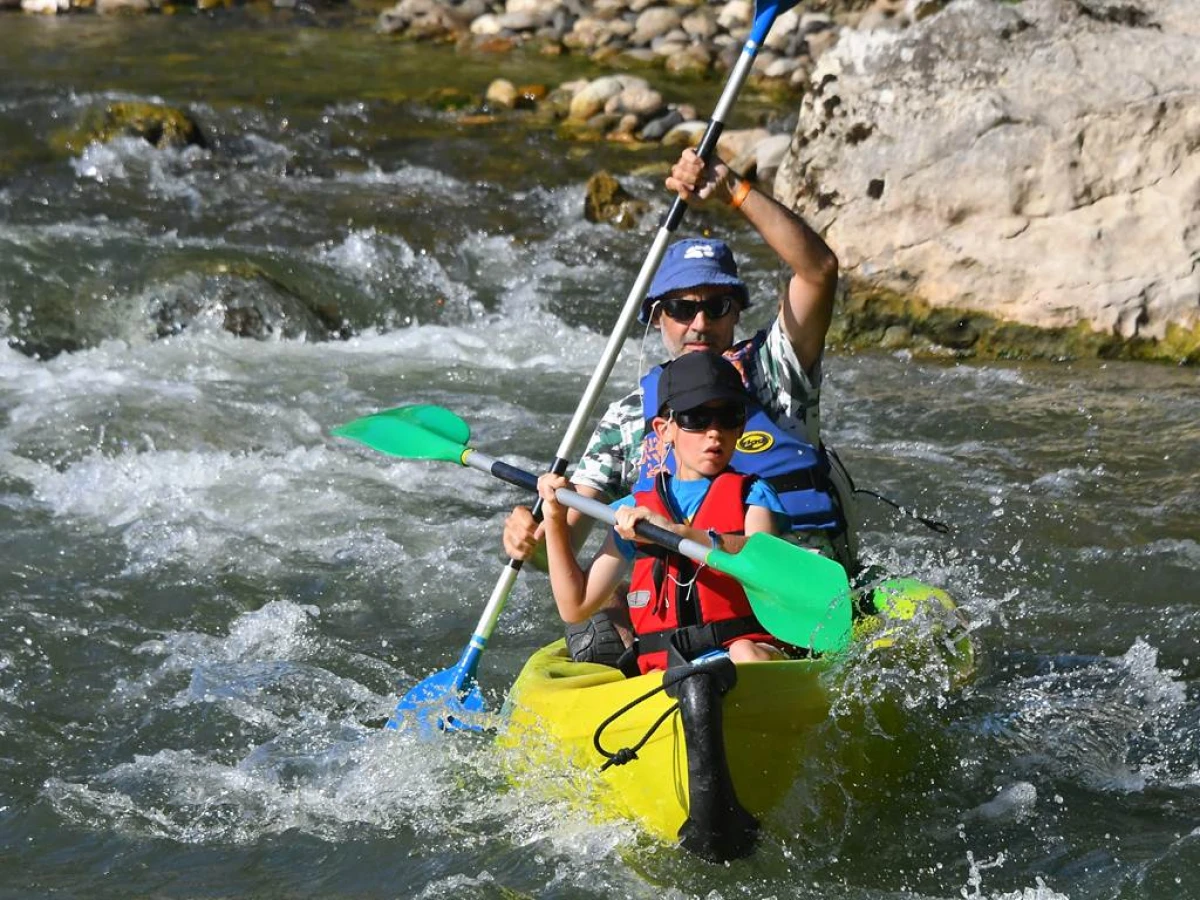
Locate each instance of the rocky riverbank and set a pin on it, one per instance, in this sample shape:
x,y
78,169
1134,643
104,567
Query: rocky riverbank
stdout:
x,y
1045,178
993,182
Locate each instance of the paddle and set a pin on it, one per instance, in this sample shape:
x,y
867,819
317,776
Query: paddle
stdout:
x,y
800,597
457,684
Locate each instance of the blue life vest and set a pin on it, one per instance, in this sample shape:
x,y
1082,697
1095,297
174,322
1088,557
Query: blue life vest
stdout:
x,y
798,471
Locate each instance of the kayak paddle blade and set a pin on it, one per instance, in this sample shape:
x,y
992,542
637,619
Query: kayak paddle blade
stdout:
x,y
447,701
799,596
765,13
411,432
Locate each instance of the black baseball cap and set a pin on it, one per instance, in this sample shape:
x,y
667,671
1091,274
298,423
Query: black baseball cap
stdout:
x,y
697,378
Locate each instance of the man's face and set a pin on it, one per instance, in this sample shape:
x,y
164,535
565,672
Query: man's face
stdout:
x,y
693,319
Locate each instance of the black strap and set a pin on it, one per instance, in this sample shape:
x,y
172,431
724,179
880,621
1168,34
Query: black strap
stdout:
x,y
804,480
694,640
931,524
629,754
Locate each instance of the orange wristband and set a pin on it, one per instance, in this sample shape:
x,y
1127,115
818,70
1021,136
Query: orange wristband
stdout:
x,y
740,193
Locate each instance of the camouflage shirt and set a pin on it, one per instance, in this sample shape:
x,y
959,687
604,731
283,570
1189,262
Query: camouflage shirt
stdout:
x,y
773,375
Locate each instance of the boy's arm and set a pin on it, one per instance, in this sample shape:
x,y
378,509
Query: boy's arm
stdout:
x,y
567,581
576,594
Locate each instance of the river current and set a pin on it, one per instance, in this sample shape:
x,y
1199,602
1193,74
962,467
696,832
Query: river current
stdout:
x,y
207,603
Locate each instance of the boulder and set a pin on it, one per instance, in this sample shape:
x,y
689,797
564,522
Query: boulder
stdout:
x,y
607,201
593,97
242,299
46,7
163,126
996,158
501,94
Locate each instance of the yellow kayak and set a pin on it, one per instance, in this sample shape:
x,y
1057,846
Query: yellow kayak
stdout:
x,y
709,771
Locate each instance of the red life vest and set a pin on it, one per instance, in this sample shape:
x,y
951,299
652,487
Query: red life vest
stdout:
x,y
712,610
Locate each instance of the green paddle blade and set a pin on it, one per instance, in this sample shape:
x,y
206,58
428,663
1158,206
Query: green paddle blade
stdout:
x,y
799,596
411,432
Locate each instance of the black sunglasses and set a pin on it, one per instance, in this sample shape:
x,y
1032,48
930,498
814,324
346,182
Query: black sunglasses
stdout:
x,y
701,418
682,310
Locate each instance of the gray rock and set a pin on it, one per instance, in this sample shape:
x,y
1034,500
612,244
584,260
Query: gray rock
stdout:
x,y
656,129
997,158
655,22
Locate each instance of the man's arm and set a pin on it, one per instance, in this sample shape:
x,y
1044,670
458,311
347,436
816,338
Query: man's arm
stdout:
x,y
807,309
522,536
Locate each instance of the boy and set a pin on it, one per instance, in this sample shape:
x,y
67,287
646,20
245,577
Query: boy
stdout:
x,y
701,412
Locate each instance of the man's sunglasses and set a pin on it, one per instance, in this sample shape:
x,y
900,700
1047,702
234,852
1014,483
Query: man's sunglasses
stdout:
x,y
701,418
682,310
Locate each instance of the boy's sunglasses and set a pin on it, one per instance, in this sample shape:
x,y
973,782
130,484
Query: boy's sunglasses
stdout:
x,y
701,418
682,310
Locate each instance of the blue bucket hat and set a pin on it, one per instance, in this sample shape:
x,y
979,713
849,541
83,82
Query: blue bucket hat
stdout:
x,y
692,263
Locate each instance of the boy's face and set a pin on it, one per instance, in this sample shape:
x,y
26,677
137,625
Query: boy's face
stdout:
x,y
704,438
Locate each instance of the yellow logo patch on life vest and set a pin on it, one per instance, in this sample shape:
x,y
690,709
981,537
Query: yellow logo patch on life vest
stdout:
x,y
755,442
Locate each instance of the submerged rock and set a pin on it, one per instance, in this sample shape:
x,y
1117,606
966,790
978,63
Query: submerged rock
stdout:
x,y
243,300
157,124
994,162
607,201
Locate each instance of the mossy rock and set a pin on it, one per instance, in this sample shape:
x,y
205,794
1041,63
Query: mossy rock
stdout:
x,y
607,201
586,132
451,99
244,299
157,124
1180,345
873,316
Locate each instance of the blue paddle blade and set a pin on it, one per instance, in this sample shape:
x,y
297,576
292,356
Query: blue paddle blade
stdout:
x,y
447,701
765,13
434,705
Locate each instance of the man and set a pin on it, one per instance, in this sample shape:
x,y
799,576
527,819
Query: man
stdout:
x,y
695,301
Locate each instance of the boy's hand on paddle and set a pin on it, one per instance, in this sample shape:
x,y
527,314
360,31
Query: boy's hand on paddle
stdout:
x,y
698,183
552,511
628,517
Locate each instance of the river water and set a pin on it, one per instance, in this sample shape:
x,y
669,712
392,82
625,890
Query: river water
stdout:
x,y
207,602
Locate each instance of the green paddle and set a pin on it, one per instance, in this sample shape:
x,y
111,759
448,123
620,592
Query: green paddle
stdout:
x,y
799,596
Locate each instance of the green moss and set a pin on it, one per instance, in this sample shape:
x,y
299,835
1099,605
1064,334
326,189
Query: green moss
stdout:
x,y
452,99
1180,345
871,316
162,126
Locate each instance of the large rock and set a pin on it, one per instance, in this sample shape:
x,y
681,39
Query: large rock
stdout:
x,y
1035,162
605,200
163,126
243,299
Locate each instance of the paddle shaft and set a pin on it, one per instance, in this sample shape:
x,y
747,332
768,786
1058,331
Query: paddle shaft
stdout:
x,y
763,20
641,285
593,509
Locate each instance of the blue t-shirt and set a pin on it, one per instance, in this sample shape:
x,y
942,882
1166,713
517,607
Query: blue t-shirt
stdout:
x,y
685,498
